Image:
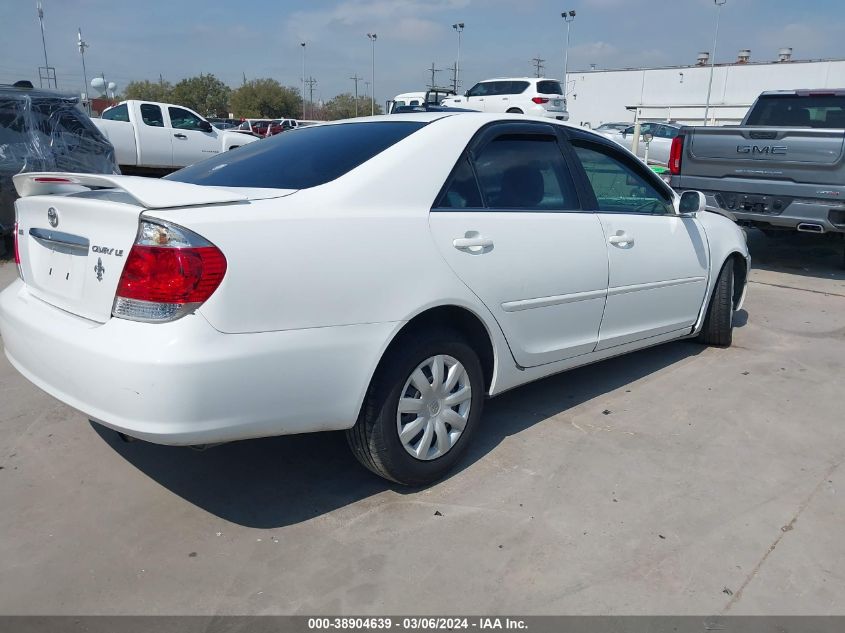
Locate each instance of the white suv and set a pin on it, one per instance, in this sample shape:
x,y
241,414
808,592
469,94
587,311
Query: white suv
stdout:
x,y
520,95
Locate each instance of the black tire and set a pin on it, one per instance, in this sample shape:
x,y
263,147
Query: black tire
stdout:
x,y
374,439
718,324
515,111
7,247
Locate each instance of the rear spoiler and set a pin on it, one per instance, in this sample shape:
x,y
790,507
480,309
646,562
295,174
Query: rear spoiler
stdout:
x,y
151,193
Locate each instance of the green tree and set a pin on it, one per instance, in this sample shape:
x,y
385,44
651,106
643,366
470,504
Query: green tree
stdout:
x,y
205,94
266,98
343,107
148,90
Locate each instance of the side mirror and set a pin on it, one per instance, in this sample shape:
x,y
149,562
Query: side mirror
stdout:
x,y
692,203
205,126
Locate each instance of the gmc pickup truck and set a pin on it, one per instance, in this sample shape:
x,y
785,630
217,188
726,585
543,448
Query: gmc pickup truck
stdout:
x,y
158,138
782,168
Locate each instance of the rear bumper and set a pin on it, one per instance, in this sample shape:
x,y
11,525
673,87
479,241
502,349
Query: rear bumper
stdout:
x,y
551,114
185,382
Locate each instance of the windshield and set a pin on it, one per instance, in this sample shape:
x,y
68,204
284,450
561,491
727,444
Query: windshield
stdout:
x,y
304,157
815,111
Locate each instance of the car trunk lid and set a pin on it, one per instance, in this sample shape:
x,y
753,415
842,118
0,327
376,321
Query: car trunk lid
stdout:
x,y
75,231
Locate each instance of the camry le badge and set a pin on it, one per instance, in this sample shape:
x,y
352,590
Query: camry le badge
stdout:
x,y
53,217
99,269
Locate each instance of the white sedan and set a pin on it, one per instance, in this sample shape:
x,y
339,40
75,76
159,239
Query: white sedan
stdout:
x,y
379,275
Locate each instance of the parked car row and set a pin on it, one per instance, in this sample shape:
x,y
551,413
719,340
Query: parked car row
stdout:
x,y
198,308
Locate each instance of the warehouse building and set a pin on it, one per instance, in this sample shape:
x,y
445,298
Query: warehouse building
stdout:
x,y
679,93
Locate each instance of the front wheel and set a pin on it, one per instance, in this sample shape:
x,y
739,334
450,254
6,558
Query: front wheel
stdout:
x,y
718,324
421,409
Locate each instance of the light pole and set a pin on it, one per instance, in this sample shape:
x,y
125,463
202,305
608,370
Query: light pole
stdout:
x,y
302,44
719,4
373,37
569,18
82,44
459,27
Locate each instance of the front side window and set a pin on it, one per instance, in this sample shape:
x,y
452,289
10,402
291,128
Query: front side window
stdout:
x,y
151,115
525,172
480,90
304,157
618,184
181,119
117,113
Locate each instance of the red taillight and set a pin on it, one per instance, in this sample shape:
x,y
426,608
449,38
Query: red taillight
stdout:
x,y
676,153
171,275
169,272
17,247
539,100
53,179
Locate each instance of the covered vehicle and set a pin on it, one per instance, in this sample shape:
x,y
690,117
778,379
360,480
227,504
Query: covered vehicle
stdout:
x,y
41,130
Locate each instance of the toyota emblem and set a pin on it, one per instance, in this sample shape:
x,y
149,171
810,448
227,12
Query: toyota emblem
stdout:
x,y
52,217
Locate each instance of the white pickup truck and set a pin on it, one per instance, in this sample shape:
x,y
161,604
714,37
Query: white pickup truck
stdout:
x,y
158,138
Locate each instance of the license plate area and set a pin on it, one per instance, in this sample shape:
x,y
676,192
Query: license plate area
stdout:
x,y
556,103
58,262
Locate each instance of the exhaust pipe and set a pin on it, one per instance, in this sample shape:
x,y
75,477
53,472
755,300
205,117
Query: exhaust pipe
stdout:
x,y
808,227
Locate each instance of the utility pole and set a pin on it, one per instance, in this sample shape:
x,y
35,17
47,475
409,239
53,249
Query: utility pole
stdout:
x,y
82,44
433,71
454,70
719,4
538,66
366,88
311,82
302,44
459,28
373,37
356,79
46,71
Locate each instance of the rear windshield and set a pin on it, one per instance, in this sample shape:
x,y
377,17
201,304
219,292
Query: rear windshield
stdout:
x,y
549,88
304,157
818,111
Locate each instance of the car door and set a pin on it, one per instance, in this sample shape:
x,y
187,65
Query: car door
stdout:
x,y
658,259
155,140
509,95
661,144
191,143
477,95
509,223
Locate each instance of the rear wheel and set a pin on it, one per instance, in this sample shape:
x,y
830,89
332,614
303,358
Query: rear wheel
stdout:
x,y
515,111
421,409
718,324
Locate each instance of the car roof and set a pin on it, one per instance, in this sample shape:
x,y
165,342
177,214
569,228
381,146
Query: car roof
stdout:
x,y
531,79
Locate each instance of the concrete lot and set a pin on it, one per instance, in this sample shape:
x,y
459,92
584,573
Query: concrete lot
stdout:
x,y
679,480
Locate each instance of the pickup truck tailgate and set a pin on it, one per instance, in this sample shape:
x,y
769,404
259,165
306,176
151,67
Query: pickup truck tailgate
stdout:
x,y
801,154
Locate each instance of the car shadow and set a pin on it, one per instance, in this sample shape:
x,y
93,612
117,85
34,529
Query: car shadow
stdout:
x,y
803,254
280,481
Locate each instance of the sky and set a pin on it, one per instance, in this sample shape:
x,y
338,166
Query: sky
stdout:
x,y
143,39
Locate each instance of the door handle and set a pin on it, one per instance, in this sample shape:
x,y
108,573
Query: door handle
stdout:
x,y
464,243
622,240
180,135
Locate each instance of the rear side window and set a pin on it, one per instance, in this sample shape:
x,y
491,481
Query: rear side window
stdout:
x,y
462,192
304,157
816,111
151,115
117,113
549,88
517,87
525,172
